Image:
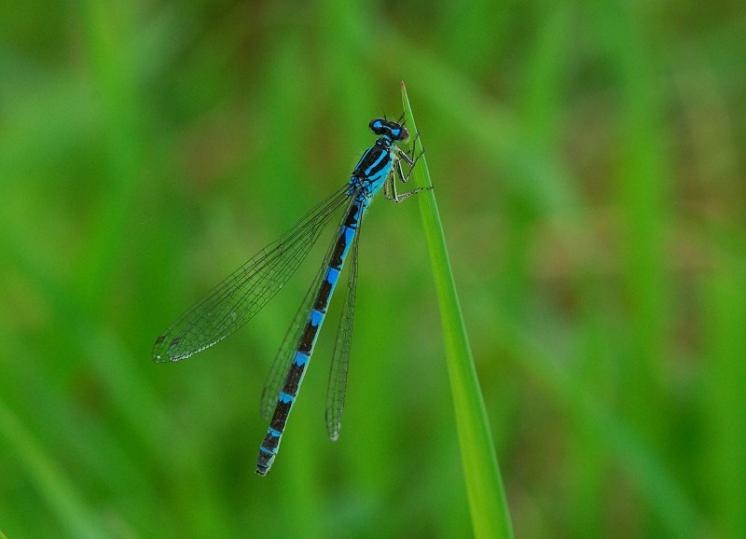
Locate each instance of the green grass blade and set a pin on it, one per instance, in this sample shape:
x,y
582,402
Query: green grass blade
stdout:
x,y
488,507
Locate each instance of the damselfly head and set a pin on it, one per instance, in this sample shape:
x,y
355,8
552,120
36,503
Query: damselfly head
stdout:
x,y
387,128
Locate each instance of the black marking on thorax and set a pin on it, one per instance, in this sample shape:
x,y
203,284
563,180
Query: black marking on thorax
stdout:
x,y
377,155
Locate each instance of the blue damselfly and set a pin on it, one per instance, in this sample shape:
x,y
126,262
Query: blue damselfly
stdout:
x,y
243,293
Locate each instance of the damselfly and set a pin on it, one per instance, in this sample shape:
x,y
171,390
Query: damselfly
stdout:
x,y
243,293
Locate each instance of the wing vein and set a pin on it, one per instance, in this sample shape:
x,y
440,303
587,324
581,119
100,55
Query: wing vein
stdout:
x,y
241,295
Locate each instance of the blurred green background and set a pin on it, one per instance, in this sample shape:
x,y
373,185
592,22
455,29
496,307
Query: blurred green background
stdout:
x,y
588,160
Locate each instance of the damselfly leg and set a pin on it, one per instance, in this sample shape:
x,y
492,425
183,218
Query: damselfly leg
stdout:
x,y
411,160
389,188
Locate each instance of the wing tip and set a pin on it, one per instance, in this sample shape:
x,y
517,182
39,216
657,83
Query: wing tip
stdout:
x,y
333,431
157,354
162,350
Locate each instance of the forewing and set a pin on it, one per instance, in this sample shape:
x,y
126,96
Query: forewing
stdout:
x,y
239,297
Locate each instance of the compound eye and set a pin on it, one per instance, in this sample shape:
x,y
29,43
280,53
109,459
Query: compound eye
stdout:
x,y
376,126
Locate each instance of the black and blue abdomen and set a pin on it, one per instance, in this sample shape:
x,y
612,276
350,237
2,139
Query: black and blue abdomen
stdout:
x,y
304,350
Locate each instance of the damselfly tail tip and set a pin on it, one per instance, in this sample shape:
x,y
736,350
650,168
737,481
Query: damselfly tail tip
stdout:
x,y
263,466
